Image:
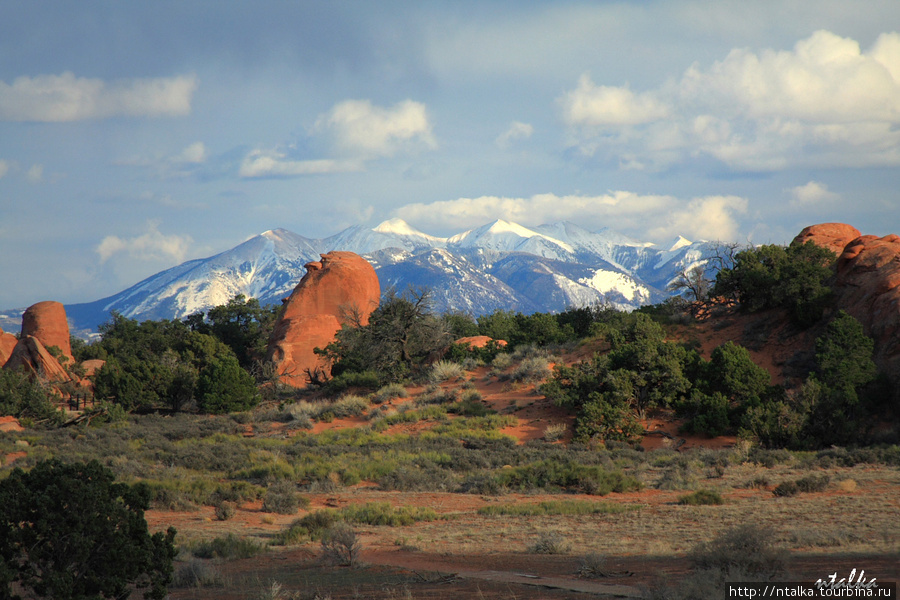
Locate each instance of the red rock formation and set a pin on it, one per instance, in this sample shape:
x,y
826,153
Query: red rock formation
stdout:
x,y
867,285
33,357
479,341
834,236
47,322
341,288
7,342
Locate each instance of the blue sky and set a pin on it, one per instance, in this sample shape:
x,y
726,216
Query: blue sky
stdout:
x,y
137,135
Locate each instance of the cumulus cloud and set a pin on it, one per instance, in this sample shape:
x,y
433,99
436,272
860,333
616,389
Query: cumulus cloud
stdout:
x,y
517,131
811,194
149,246
597,106
65,97
271,163
358,128
822,103
711,217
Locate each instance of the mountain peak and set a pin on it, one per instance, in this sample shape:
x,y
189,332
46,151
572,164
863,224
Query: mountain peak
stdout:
x,y
398,226
680,242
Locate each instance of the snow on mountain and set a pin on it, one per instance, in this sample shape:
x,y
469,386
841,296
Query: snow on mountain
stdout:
x,y
500,265
504,236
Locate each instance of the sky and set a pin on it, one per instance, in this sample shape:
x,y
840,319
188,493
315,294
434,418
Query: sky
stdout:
x,y
137,135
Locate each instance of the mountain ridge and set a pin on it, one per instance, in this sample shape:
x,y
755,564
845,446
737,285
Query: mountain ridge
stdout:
x,y
499,265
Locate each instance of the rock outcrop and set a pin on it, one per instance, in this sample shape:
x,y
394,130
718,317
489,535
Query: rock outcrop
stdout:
x,y
7,342
834,236
339,289
31,356
867,286
479,341
47,322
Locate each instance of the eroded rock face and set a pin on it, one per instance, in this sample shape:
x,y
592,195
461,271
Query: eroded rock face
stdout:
x,y
33,357
7,342
867,285
340,288
47,322
834,236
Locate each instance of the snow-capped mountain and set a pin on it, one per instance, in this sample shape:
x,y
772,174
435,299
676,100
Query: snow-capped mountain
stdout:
x,y
500,265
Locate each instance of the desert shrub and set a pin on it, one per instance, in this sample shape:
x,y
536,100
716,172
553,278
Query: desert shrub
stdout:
x,y
340,383
444,370
702,497
348,406
196,573
593,566
389,392
813,483
549,543
471,405
749,549
552,475
437,396
227,548
281,498
309,527
679,475
341,546
502,361
416,479
555,431
225,510
530,370
786,489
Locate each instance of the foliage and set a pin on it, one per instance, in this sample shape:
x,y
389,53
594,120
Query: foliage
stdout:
x,y
555,507
69,531
400,336
25,398
165,364
227,548
748,549
341,546
769,276
551,542
241,324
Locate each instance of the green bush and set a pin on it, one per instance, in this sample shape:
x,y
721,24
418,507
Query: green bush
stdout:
x,y
549,543
282,498
25,398
786,489
227,548
746,549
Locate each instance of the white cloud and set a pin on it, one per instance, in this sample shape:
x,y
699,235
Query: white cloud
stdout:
x,y
35,174
812,193
65,97
517,131
4,168
150,246
590,105
823,103
259,164
662,216
359,129
708,218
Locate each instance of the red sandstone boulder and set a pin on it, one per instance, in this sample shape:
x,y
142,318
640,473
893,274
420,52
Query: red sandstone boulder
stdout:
x,y
7,342
479,341
47,322
340,289
868,287
834,236
33,357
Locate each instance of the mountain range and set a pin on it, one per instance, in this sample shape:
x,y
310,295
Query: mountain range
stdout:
x,y
500,265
